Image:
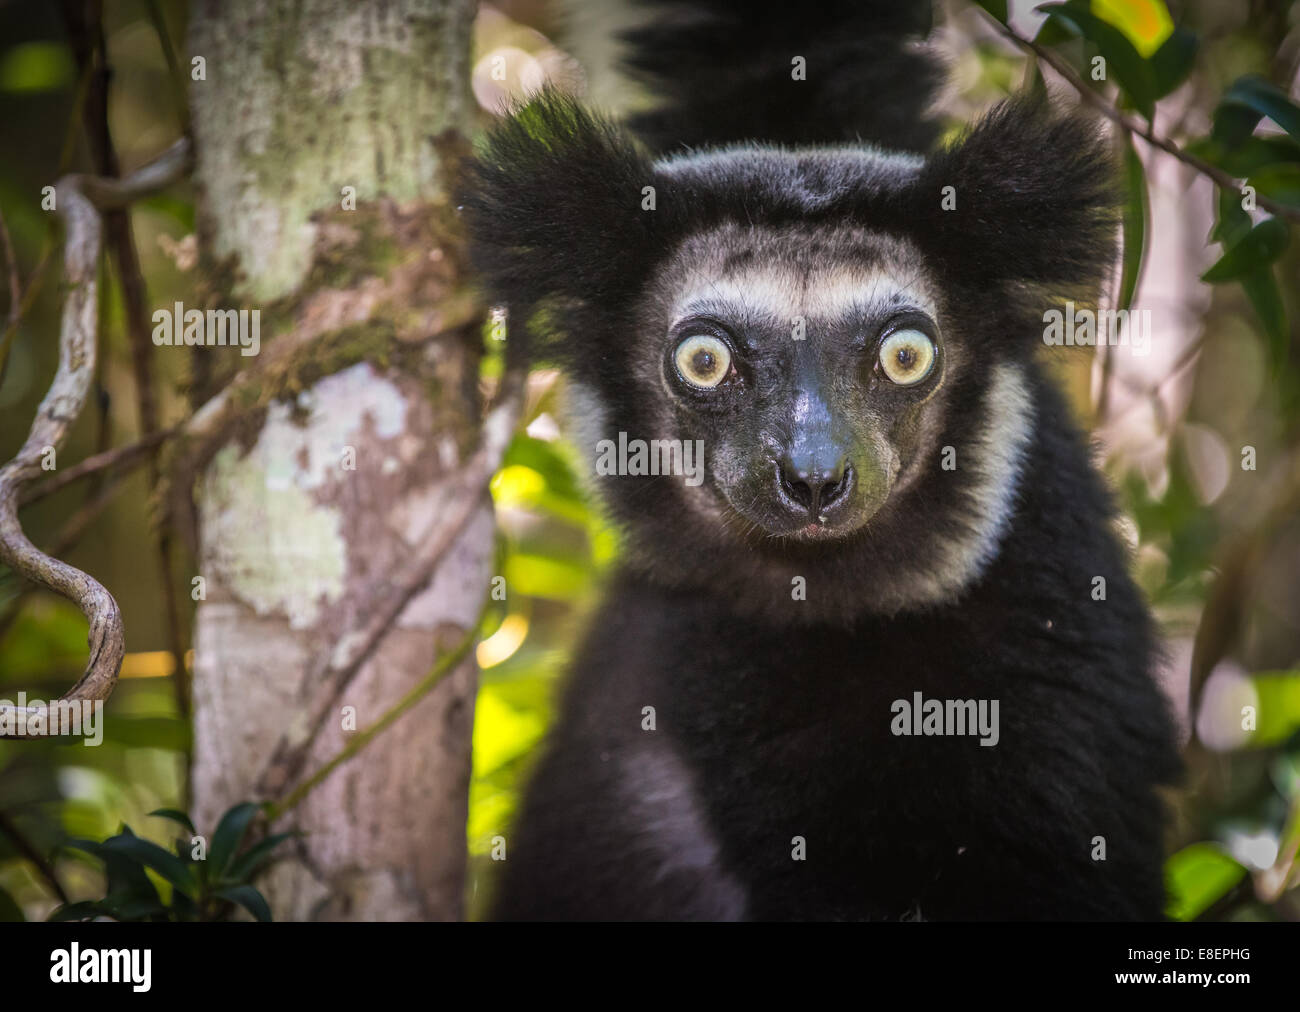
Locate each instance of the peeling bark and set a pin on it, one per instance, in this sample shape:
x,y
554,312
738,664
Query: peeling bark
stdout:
x,y
334,464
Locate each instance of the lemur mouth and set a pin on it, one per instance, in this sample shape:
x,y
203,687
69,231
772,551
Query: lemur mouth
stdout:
x,y
780,528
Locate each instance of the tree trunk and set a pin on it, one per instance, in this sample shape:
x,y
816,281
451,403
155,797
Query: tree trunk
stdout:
x,y
346,451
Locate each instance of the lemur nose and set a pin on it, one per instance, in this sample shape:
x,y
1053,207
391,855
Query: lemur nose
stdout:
x,y
815,489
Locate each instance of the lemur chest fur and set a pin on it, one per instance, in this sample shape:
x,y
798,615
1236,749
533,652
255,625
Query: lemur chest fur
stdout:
x,y
771,760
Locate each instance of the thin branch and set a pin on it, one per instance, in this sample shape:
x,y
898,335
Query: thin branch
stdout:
x,y
125,457
444,665
78,200
15,283
1238,563
23,305
336,665
1134,124
1272,882
68,537
173,66
1151,392
28,850
87,31
43,261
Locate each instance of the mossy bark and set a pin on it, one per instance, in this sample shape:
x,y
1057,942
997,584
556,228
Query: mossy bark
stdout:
x,y
354,439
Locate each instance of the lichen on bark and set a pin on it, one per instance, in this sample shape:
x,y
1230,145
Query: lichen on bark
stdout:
x,y
342,440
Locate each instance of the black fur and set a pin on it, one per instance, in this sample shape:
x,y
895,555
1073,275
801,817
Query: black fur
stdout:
x,y
554,206
788,731
773,716
724,71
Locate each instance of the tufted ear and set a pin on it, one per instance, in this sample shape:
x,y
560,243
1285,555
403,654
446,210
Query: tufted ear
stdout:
x,y
553,204
1035,201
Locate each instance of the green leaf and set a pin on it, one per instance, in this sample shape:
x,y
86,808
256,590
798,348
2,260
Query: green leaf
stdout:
x,y
149,732
1278,182
1258,248
248,898
1172,62
1234,223
1197,876
555,579
149,854
996,8
184,908
1135,225
1145,23
1133,74
546,460
1248,155
247,864
176,816
132,909
37,66
1232,124
1261,288
230,832
125,874
9,909
1053,33
81,911
1259,98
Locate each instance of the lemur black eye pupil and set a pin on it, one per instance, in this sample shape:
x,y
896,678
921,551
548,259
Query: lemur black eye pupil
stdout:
x,y
906,357
704,363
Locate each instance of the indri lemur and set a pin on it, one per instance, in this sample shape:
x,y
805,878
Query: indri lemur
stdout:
x,y
896,500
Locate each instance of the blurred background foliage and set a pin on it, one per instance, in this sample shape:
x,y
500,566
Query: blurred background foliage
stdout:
x,y
1215,545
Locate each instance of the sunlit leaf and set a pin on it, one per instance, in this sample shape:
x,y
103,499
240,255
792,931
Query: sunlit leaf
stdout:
x,y
37,66
501,732
1145,23
1196,877
539,576
1133,74
1278,693
546,460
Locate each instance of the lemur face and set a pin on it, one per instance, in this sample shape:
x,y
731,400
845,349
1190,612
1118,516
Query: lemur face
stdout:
x,y
810,363
845,334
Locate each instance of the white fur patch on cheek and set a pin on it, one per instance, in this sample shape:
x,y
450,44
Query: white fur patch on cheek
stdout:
x,y
999,453
993,462
586,420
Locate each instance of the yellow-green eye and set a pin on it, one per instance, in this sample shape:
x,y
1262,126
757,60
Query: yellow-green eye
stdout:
x,y
703,360
907,356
